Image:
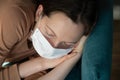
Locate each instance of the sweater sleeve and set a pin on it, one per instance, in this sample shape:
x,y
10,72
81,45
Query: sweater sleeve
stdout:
x,y
12,23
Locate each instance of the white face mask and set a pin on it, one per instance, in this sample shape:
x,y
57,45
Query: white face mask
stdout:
x,y
44,48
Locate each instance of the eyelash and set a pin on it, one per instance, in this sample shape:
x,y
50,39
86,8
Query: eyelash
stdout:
x,y
65,44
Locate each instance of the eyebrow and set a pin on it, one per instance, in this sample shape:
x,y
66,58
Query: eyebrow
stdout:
x,y
51,30
56,36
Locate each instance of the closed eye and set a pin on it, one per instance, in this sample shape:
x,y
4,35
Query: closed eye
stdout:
x,y
66,45
69,44
49,33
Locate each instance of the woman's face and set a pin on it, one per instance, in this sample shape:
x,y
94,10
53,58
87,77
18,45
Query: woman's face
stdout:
x,y
59,30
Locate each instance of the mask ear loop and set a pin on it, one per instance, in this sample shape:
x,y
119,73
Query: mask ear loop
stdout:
x,y
35,24
34,28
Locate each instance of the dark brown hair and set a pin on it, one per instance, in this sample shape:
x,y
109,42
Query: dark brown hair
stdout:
x,y
84,11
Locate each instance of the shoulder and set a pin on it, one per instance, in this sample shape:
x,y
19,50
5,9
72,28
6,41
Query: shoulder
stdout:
x,y
15,21
17,14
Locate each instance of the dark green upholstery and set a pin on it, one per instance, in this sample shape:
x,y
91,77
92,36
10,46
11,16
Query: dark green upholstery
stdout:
x,y
97,54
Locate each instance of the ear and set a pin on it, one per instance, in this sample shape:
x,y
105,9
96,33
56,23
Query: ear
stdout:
x,y
38,12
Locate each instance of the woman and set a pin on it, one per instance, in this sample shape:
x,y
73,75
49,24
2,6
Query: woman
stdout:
x,y
50,28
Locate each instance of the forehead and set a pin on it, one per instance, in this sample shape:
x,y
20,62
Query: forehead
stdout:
x,y
64,27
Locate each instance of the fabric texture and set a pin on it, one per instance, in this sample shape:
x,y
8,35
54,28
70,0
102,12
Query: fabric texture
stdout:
x,y
97,54
10,73
16,20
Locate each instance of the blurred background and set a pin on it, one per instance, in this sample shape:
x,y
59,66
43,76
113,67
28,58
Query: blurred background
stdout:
x,y
115,75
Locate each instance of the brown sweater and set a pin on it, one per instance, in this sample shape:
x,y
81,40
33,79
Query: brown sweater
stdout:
x,y
16,22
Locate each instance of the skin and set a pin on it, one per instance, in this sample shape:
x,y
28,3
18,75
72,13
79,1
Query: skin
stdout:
x,y
65,67
58,29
